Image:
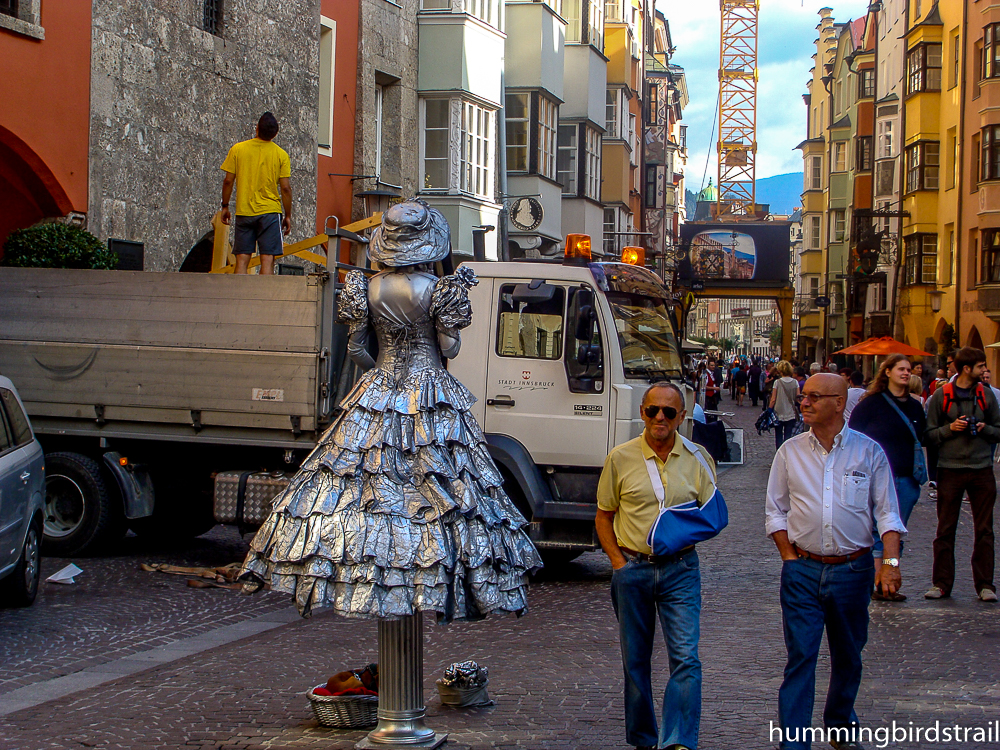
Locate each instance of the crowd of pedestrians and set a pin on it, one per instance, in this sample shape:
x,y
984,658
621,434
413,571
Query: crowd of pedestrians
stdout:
x,y
851,457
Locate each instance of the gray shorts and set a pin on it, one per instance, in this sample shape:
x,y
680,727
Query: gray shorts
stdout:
x,y
262,231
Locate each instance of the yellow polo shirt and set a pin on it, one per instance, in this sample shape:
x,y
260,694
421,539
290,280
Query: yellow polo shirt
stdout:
x,y
625,487
258,165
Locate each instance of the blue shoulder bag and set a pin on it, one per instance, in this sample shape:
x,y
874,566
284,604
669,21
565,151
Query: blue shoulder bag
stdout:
x,y
680,526
919,465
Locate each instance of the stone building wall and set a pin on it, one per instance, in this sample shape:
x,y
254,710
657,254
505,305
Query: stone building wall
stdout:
x,y
387,55
169,99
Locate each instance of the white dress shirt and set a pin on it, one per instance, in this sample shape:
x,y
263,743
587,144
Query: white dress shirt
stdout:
x,y
826,501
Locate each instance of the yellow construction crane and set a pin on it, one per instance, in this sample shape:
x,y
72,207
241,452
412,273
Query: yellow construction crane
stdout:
x,y
737,143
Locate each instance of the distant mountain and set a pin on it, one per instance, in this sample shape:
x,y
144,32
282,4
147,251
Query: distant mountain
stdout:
x,y
782,191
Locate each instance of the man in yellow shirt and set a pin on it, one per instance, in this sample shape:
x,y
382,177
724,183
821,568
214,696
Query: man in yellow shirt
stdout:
x,y
644,585
261,171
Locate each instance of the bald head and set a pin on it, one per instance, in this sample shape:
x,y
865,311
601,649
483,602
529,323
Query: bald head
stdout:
x,y
826,383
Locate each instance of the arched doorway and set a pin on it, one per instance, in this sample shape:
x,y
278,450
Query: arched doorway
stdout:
x,y
28,189
975,340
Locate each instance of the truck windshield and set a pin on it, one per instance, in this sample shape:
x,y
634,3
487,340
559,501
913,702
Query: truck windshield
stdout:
x,y
642,318
646,336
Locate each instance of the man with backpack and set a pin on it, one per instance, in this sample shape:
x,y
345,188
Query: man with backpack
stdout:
x,y
963,421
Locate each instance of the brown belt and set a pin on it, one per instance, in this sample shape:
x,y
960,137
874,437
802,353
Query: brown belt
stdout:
x,y
655,559
831,559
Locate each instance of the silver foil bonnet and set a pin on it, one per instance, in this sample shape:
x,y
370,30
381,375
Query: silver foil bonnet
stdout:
x,y
411,232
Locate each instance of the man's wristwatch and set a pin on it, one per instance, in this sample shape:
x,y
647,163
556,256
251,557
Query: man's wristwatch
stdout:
x,y
225,205
891,561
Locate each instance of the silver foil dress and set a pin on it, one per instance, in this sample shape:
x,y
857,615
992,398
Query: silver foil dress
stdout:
x,y
399,508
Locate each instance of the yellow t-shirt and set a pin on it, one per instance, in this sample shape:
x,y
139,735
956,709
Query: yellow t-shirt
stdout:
x,y
258,165
625,488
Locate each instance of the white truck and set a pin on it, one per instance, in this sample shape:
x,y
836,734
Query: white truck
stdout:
x,y
559,357
144,386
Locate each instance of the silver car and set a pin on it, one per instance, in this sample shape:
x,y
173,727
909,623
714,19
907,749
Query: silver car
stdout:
x,y
22,499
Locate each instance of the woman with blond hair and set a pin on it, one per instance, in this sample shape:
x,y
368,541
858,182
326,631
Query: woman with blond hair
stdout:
x,y
894,418
784,400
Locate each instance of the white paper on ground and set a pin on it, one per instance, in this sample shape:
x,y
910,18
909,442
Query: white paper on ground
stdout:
x,y
65,575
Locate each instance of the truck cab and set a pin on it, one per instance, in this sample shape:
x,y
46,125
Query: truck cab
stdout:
x,y
559,356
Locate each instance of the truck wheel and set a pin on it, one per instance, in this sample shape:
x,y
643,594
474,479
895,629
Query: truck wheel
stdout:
x,y
21,586
79,513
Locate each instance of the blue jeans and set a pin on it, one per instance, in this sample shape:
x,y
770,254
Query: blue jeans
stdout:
x,y
814,596
639,592
783,431
908,492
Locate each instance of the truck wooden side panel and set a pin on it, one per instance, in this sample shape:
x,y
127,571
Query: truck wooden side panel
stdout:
x,y
95,350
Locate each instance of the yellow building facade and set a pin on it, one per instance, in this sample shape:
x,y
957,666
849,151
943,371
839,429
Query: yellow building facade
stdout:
x,y
931,181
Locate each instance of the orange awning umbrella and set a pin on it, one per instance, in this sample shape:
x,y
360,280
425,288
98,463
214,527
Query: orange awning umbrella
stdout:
x,y
883,346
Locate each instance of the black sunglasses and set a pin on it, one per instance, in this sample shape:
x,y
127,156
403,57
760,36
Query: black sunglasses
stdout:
x,y
668,411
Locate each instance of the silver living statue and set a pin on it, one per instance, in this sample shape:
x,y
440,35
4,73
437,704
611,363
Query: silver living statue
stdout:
x,y
400,508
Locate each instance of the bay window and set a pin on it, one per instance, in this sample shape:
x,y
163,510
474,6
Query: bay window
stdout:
x,y
591,163
991,51
584,22
471,150
815,233
989,163
839,156
518,113
476,177
616,115
532,133
866,83
921,259
838,225
814,176
548,114
436,130
922,164
885,140
863,153
990,260
923,68
569,150
580,161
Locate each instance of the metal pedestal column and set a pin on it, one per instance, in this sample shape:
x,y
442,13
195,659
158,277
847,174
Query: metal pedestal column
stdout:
x,y
401,687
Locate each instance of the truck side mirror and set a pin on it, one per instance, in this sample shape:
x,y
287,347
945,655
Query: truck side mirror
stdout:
x,y
585,320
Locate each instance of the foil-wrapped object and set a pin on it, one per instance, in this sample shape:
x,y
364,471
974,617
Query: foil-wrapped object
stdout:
x,y
465,675
400,509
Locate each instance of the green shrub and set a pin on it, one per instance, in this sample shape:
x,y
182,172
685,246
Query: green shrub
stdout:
x,y
56,246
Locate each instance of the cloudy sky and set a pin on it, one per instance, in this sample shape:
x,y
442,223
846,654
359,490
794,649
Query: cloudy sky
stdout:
x,y
786,43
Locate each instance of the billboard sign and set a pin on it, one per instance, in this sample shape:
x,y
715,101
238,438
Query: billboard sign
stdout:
x,y
737,252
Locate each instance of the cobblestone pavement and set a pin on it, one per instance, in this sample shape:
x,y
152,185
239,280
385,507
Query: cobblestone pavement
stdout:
x,y
116,610
555,673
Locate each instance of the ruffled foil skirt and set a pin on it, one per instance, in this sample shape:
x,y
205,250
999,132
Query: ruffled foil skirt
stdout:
x,y
399,509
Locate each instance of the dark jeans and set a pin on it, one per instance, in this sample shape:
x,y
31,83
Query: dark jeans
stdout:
x,y
754,394
783,431
982,488
814,596
640,592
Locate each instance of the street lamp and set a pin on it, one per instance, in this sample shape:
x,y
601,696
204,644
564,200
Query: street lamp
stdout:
x,y
377,201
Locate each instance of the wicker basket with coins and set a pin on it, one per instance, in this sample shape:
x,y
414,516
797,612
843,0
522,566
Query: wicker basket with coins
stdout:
x,y
344,711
